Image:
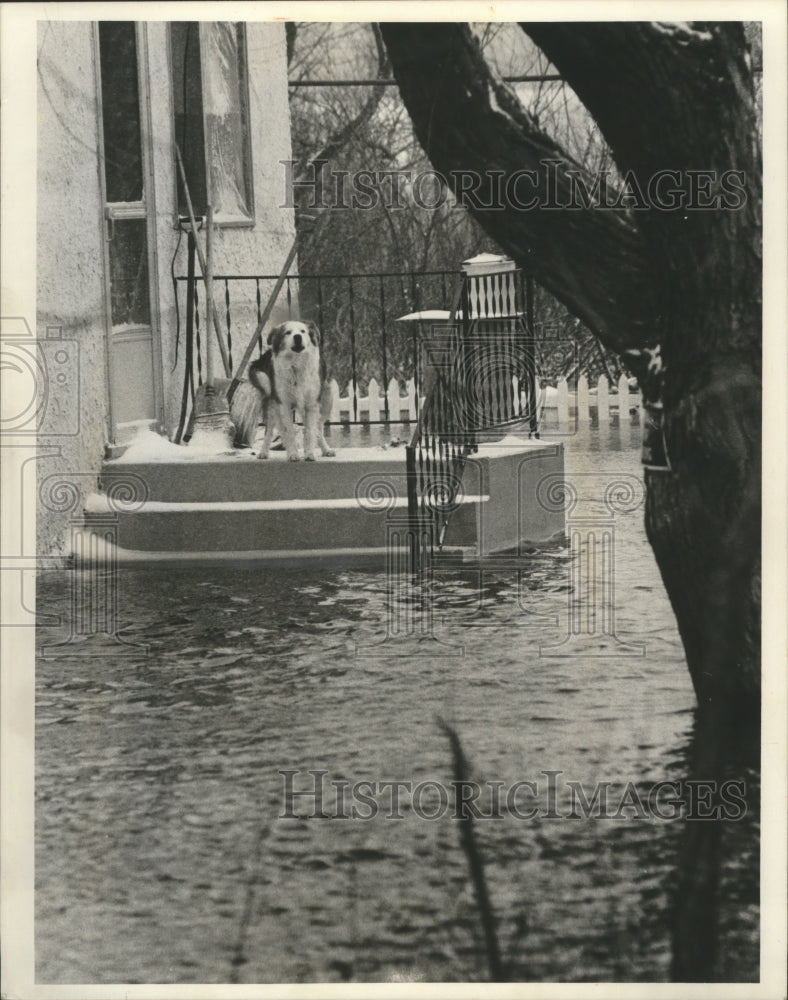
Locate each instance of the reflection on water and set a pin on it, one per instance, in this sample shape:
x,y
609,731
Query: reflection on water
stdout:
x,y
160,856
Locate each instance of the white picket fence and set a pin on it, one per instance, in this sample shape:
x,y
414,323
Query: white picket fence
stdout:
x,y
402,409
558,405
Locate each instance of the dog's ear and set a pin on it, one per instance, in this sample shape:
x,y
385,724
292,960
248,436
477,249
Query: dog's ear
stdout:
x,y
275,337
314,333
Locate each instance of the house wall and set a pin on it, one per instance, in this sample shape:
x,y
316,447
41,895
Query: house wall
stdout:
x,y
70,261
261,249
69,269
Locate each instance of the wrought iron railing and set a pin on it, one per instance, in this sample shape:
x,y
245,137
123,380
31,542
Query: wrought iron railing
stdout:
x,y
357,315
476,372
481,378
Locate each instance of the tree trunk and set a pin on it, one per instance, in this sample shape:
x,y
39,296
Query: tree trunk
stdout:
x,y
680,98
686,282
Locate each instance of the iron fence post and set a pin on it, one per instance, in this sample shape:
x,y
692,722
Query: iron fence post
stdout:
x,y
531,353
413,508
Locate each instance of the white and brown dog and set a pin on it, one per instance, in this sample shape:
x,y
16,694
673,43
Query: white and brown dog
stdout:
x,y
290,376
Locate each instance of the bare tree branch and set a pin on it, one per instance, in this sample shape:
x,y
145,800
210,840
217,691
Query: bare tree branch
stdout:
x,y
592,261
647,86
291,30
339,139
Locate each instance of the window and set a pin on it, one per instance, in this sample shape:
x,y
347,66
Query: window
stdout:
x,y
130,295
125,207
120,111
211,118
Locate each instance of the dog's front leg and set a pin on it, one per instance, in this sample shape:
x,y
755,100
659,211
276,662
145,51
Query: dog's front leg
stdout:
x,y
313,435
288,432
323,415
326,450
311,418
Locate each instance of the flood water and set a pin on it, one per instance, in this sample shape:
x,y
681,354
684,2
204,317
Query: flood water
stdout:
x,y
161,856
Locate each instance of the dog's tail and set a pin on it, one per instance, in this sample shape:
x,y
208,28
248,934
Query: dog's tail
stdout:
x,y
260,377
247,411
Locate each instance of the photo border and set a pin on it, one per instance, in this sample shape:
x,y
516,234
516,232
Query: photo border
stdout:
x,y
18,33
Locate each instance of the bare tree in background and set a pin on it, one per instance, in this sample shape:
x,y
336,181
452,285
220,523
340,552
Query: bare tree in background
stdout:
x,y
365,128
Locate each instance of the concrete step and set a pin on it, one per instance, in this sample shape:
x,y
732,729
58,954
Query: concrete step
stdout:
x,y
241,476
280,525
234,506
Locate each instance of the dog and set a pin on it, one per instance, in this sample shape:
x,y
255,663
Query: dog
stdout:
x,y
291,375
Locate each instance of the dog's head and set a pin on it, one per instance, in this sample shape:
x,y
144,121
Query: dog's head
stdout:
x,y
294,337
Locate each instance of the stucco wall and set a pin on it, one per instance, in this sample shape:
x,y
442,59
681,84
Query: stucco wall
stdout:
x,y
258,250
69,264
70,259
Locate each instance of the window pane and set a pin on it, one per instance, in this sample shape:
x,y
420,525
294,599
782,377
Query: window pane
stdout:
x,y
128,273
187,100
225,119
120,110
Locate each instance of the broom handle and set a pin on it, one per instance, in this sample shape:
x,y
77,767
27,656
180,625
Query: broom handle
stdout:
x,y
263,319
188,371
209,294
208,290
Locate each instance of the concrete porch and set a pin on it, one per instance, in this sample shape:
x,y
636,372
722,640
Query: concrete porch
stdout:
x,y
169,505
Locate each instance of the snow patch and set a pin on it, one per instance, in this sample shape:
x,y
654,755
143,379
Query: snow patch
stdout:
x,y
497,107
675,29
147,446
121,328
97,503
210,441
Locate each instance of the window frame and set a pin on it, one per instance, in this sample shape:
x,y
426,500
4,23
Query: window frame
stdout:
x,y
143,210
248,155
